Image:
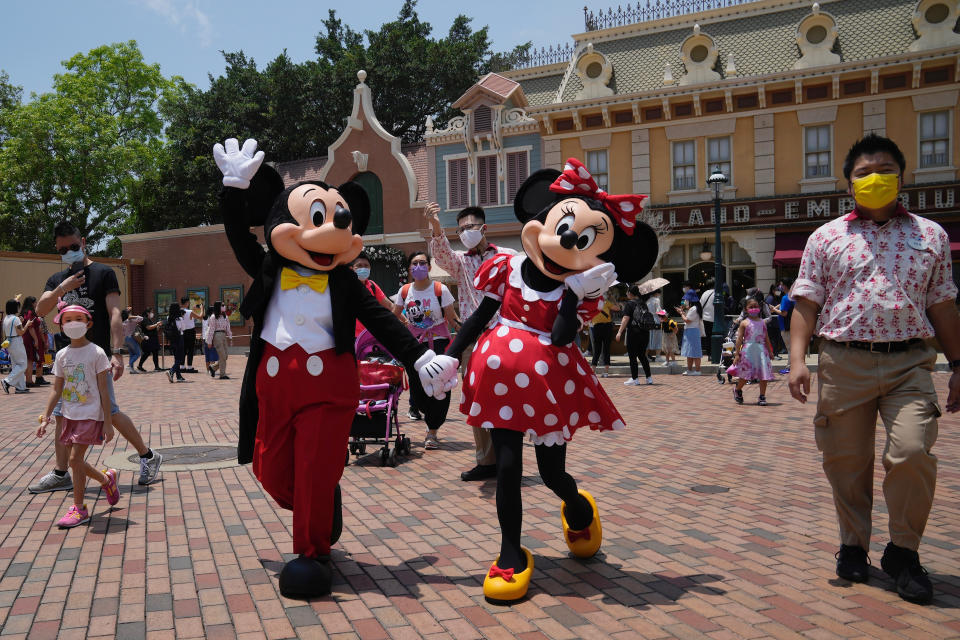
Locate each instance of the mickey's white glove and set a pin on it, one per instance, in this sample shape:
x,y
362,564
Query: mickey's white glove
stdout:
x,y
438,374
237,165
593,282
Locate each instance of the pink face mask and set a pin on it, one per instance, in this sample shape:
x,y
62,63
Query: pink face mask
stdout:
x,y
753,312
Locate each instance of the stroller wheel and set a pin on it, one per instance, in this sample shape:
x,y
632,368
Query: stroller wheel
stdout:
x,y
392,458
362,448
384,454
406,446
346,460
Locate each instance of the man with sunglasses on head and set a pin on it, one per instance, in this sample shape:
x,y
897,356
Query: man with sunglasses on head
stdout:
x,y
95,287
463,265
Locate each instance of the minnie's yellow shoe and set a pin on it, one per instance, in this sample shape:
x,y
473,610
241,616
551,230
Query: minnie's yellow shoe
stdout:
x,y
585,542
503,586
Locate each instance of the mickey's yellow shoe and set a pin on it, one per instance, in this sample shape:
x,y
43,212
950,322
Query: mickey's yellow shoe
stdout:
x,y
585,542
503,586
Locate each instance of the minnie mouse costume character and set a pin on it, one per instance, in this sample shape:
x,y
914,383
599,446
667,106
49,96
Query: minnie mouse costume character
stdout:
x,y
300,389
526,376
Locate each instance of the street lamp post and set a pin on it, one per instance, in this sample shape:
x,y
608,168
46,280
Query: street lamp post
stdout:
x,y
717,180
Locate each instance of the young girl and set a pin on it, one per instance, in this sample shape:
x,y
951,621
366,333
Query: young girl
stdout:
x,y
14,331
691,312
669,328
753,352
81,372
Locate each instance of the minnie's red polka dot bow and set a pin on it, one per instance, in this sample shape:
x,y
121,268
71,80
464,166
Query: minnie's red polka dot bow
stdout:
x,y
576,180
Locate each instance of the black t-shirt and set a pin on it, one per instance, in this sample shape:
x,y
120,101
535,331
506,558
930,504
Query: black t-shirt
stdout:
x,y
628,308
101,281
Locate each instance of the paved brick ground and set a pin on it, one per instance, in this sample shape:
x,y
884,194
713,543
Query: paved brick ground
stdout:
x,y
197,553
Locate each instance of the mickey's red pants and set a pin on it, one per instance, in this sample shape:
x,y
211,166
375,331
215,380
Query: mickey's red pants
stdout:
x,y
307,403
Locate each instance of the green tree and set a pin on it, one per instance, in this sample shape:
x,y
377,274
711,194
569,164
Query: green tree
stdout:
x,y
81,151
296,110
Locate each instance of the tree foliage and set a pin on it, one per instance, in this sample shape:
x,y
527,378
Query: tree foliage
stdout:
x,y
296,110
81,151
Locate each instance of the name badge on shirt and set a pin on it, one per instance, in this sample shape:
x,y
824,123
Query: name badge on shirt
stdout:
x,y
917,243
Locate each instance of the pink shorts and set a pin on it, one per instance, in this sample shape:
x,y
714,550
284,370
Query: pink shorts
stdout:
x,y
81,432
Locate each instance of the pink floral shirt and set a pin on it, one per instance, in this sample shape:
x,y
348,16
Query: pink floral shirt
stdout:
x,y
463,266
874,282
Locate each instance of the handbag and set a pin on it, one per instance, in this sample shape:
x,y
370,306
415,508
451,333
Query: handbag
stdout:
x,y
138,336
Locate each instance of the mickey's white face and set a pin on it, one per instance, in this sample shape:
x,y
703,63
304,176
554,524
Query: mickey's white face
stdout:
x,y
569,241
315,242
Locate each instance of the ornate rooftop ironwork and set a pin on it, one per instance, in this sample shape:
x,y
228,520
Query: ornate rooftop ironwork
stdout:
x,y
642,12
545,56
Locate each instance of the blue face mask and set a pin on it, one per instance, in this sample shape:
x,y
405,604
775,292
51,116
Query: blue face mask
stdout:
x,y
72,256
363,273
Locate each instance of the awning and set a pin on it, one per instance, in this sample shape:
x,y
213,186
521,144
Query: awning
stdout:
x,y
788,248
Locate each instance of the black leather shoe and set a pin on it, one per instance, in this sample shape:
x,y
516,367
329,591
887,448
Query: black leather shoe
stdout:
x,y
853,563
306,577
480,472
903,565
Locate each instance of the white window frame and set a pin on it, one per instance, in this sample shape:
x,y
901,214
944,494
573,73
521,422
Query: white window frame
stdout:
x,y
496,180
711,163
948,162
602,184
674,165
447,160
829,152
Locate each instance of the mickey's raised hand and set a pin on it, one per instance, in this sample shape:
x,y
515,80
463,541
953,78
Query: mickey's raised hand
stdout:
x,y
237,165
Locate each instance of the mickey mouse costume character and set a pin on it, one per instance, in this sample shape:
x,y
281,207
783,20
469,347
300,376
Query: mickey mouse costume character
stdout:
x,y
300,389
526,376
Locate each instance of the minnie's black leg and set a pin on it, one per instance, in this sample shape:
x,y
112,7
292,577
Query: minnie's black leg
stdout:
x,y
552,463
508,446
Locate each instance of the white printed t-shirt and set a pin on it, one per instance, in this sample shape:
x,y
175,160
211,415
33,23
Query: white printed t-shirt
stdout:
x,y
79,366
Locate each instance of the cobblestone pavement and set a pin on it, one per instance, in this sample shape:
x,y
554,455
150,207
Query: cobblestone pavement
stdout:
x,y
197,553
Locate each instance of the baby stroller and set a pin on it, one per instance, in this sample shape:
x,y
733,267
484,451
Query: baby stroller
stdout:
x,y
726,363
376,422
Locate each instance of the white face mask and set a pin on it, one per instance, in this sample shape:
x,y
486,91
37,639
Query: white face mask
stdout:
x,y
471,238
75,330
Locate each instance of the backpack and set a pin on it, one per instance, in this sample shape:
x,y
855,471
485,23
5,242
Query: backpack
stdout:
x,y
642,318
437,291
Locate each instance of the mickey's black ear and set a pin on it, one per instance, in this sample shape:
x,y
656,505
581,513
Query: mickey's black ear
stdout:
x,y
635,255
264,188
534,194
359,204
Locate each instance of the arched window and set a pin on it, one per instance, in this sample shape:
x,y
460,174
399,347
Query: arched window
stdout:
x,y
374,188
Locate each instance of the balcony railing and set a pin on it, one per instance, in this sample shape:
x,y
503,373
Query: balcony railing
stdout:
x,y
545,56
645,11
933,160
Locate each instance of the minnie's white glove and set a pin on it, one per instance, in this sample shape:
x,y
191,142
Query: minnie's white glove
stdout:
x,y
237,165
593,282
438,374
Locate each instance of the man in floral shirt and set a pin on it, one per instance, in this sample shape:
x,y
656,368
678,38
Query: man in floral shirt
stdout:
x,y
463,265
881,280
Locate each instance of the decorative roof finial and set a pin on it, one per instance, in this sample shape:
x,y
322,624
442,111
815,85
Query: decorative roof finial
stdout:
x,y
816,8
429,124
361,76
696,29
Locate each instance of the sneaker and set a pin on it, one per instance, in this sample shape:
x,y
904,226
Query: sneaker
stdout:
x,y
224,377
685,373
853,563
695,373
649,381
631,382
903,565
212,370
738,396
413,414
150,468
431,443
52,482
784,371
170,376
604,375
480,472
762,401
21,391
75,516
6,386
111,488
133,371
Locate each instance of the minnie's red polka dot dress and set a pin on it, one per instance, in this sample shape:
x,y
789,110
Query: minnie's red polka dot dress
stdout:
x,y
517,379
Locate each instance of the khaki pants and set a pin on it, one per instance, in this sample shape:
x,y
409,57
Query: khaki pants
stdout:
x,y
481,436
854,386
220,344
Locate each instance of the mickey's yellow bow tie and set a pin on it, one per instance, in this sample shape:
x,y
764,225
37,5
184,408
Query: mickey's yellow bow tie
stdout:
x,y
290,279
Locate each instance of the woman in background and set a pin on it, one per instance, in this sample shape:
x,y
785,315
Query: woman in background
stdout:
x,y
151,343
218,332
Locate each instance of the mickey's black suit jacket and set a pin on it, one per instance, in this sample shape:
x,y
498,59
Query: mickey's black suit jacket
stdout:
x,y
349,300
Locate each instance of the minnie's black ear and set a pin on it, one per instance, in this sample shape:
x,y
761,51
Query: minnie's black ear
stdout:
x,y
359,204
534,194
264,188
635,255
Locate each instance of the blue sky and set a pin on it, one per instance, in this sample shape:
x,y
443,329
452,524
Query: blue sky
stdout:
x,y
186,36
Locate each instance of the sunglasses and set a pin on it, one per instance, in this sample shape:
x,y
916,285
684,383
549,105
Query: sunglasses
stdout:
x,y
73,247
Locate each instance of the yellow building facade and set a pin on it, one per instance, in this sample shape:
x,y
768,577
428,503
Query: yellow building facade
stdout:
x,y
774,92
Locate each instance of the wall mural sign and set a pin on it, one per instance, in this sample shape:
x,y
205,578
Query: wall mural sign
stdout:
x,y
923,200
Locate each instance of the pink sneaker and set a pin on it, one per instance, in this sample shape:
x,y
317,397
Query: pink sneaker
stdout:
x,y
113,491
75,515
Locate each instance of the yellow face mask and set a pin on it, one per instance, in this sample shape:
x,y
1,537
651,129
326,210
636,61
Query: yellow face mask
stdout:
x,y
876,190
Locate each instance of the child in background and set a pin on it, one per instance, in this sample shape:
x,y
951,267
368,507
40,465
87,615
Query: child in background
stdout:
x,y
753,352
669,328
80,389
